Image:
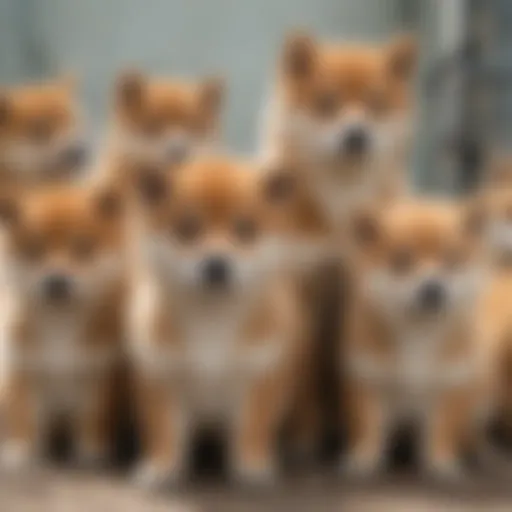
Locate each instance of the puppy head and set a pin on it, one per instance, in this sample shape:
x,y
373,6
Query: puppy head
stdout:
x,y
420,260
347,103
219,226
162,121
64,245
40,132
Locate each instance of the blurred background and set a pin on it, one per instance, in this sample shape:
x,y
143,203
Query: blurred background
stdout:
x,y
465,103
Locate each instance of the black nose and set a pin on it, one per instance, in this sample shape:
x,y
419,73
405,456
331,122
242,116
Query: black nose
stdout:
x,y
216,272
57,287
432,296
75,157
356,142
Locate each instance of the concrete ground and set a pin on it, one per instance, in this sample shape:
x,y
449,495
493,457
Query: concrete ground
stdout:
x,y
69,491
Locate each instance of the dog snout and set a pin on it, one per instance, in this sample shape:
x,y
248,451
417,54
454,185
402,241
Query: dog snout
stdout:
x,y
216,272
355,142
177,153
57,287
432,296
75,156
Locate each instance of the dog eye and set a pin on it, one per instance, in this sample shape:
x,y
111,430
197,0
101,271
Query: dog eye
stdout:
x,y
326,104
377,101
83,247
454,258
33,249
153,126
402,261
188,228
246,229
40,130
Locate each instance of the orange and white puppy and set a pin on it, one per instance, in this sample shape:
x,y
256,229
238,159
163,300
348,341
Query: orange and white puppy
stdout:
x,y
343,113
41,133
65,250
216,332
412,351
163,122
495,312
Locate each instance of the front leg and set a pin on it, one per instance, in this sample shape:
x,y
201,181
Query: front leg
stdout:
x,y
164,433
94,420
256,428
23,436
447,432
367,430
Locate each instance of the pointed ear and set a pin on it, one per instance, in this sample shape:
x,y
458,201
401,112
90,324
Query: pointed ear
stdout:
x,y
365,229
474,216
499,169
151,185
279,185
70,82
109,202
403,56
299,55
5,108
211,94
130,89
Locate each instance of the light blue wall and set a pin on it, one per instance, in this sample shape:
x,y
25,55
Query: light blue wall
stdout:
x,y
238,38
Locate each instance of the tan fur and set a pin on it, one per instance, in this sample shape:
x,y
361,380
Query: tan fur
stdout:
x,y
230,357
40,125
161,122
63,354
401,364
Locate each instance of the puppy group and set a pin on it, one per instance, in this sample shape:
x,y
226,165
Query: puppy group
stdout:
x,y
180,277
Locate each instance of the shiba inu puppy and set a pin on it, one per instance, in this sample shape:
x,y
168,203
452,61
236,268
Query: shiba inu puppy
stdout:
x,y
163,122
344,114
216,331
412,351
65,250
41,133
495,311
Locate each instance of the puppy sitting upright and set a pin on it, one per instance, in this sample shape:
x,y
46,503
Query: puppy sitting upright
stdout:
x,y
158,122
216,333
412,347
344,114
64,255
41,139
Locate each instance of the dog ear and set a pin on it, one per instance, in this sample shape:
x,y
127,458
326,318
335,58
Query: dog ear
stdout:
x,y
403,56
5,108
151,184
109,202
299,55
10,212
474,216
279,185
365,229
130,89
211,94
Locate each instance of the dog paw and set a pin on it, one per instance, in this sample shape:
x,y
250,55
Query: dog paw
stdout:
x,y
152,476
255,474
446,471
360,467
15,456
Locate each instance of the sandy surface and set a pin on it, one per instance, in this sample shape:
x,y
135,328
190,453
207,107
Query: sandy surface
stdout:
x,y
58,491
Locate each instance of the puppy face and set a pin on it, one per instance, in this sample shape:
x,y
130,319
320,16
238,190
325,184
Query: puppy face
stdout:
x,y
218,226
40,132
165,122
421,260
347,104
65,246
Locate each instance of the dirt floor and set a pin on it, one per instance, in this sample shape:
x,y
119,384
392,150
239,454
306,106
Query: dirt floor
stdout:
x,y
59,491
